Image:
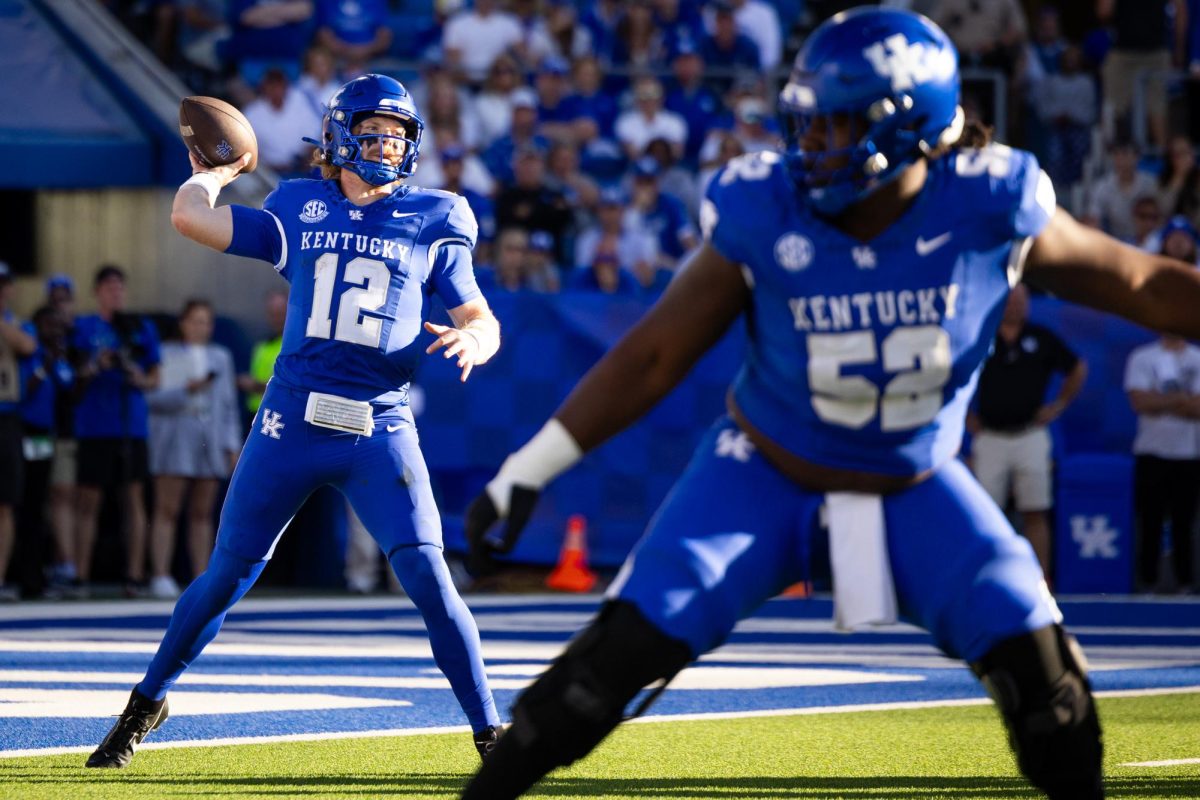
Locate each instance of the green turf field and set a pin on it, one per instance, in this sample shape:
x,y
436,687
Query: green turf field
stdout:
x,y
956,752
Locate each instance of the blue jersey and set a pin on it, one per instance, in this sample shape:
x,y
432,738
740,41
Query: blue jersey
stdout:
x,y
864,355
38,407
363,280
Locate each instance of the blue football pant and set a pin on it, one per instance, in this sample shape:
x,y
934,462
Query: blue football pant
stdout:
x,y
385,479
733,533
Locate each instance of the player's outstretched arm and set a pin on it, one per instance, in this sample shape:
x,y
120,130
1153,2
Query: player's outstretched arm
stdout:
x,y
697,308
1086,266
193,214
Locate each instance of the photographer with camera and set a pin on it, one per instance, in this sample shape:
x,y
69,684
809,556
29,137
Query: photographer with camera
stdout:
x,y
118,357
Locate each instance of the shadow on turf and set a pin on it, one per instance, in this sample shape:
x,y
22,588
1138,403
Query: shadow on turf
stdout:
x,y
450,785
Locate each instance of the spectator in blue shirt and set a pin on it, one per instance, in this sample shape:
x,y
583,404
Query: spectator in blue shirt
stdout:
x,y
726,51
556,110
354,30
46,378
601,19
591,100
690,98
118,362
603,273
678,21
661,214
523,135
60,296
14,345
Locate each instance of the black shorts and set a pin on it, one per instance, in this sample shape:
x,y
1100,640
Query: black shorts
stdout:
x,y
108,462
12,460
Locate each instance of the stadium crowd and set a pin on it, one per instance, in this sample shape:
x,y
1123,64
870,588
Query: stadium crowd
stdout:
x,y
583,135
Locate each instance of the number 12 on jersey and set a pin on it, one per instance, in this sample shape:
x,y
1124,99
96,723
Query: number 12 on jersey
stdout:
x,y
920,357
371,279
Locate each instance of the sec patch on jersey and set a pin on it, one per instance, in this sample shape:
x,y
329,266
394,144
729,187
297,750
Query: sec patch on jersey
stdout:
x,y
216,132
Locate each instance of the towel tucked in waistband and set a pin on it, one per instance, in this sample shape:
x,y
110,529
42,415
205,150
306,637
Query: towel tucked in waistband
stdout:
x,y
863,591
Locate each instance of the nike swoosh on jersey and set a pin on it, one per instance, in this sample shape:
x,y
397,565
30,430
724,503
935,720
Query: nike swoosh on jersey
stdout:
x,y
394,428
402,214
927,246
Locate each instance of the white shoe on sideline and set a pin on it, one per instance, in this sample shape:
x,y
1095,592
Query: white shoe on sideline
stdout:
x,y
164,587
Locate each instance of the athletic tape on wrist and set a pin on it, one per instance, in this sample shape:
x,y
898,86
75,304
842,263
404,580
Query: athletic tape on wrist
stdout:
x,y
547,455
208,182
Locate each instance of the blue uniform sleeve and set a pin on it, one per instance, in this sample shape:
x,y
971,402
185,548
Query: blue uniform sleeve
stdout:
x,y
457,225
259,234
1033,192
718,216
452,277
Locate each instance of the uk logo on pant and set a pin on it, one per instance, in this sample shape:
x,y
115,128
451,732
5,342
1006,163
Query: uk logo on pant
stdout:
x,y
271,425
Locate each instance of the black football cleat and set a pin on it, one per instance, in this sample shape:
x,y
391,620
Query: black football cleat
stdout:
x,y
141,716
485,740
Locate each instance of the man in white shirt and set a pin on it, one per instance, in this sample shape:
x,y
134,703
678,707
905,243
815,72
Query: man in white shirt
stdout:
x,y
280,117
1110,205
1162,380
648,120
474,39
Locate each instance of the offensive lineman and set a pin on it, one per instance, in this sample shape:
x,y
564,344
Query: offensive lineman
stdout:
x,y
872,261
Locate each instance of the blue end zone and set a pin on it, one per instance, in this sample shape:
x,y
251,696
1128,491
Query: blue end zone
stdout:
x,y
324,667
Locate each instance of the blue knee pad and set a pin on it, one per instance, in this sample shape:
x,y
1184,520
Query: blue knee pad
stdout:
x,y
197,618
453,635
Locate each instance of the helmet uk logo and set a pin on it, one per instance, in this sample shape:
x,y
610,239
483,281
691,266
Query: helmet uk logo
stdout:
x,y
793,252
224,150
909,64
313,211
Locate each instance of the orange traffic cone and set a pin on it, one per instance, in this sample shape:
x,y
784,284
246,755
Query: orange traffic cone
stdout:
x,y
572,573
801,589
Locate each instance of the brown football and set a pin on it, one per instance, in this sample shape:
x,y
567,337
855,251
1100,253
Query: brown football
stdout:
x,y
216,132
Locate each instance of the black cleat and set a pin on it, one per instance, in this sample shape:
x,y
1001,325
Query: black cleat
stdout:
x,y
141,716
485,740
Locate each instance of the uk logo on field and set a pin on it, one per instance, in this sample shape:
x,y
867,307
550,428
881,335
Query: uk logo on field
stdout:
x,y
1095,537
313,211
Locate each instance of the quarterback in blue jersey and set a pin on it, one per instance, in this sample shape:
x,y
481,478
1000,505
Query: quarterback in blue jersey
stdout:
x,y
365,256
871,261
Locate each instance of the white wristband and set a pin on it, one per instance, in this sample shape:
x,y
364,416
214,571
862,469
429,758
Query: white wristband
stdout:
x,y
208,182
547,455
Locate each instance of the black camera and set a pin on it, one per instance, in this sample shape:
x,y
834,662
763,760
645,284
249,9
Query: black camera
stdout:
x,y
131,348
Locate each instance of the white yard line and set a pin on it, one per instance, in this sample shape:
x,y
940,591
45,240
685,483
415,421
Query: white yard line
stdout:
x,y
782,712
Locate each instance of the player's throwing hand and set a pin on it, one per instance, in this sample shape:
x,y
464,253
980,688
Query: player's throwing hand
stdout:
x,y
458,342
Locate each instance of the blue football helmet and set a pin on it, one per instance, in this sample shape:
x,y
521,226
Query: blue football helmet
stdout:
x,y
893,75
363,97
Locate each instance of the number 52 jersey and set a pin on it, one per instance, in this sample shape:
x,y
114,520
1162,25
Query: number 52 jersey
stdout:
x,y
362,280
863,355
